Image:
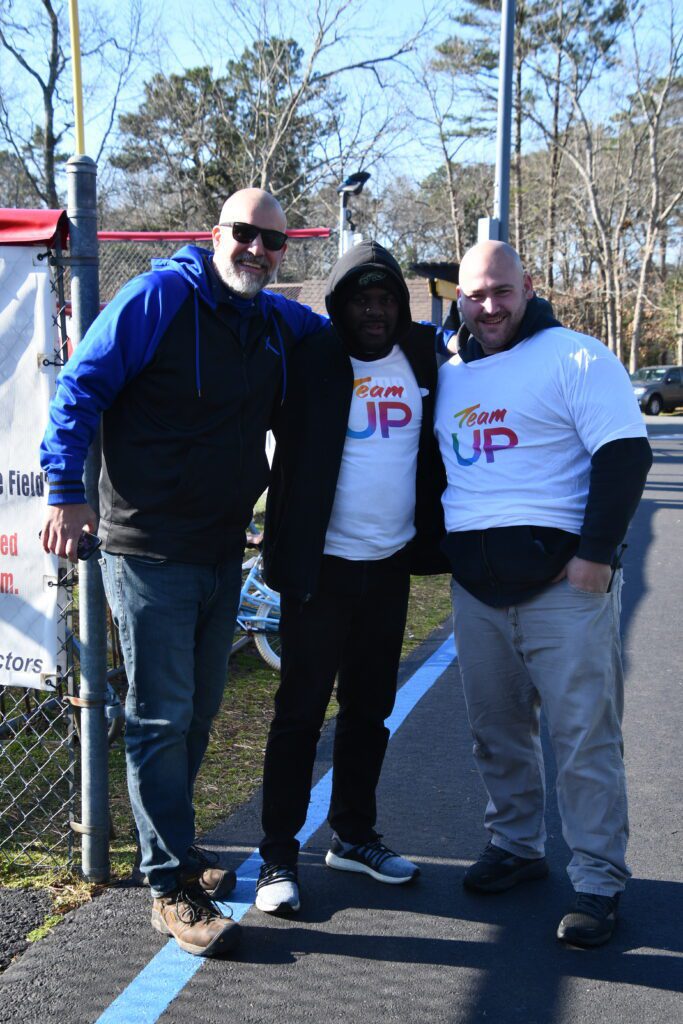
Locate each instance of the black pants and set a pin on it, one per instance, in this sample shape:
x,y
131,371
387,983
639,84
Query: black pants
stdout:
x,y
354,626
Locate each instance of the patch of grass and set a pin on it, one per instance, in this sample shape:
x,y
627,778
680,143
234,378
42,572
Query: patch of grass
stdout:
x,y
45,928
429,607
66,889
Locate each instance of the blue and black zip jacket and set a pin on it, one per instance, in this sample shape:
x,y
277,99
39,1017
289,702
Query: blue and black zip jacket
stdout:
x,y
186,377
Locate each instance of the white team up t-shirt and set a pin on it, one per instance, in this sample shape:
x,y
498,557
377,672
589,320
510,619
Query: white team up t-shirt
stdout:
x,y
374,505
517,430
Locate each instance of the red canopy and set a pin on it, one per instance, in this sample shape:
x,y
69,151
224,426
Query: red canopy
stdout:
x,y
33,227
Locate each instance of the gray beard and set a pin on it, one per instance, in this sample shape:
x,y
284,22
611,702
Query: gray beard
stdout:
x,y
243,283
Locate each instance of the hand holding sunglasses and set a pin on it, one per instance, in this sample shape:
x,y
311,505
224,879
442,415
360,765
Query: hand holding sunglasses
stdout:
x,y
246,233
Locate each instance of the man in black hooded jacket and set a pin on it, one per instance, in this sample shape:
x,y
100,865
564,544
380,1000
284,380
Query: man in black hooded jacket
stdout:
x,y
353,509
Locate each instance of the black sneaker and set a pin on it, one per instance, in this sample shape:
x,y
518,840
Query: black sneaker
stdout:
x,y
591,921
497,870
372,858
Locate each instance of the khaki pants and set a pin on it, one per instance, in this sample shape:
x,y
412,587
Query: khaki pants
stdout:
x,y
561,649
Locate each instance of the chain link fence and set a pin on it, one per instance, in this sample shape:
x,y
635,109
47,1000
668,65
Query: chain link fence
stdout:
x,y
306,259
39,760
39,752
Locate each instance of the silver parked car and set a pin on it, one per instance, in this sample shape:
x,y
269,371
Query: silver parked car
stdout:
x,y
658,388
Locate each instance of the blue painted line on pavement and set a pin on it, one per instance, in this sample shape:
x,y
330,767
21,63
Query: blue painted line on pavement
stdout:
x,y
165,976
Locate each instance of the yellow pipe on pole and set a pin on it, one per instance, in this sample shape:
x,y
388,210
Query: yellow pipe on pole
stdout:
x,y
77,82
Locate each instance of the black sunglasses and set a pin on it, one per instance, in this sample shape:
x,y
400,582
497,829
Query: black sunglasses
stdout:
x,y
246,233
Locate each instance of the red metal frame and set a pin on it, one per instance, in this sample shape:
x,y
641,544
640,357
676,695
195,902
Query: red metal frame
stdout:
x,y
33,227
188,236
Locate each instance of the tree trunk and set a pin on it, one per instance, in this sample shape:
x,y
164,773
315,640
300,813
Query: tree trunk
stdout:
x,y
517,167
554,164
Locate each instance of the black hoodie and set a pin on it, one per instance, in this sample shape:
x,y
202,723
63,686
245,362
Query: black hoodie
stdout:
x,y
311,431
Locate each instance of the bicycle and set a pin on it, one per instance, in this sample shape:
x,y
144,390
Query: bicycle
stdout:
x,y
258,616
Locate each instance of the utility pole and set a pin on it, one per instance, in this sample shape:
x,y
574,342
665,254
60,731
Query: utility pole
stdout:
x,y
498,226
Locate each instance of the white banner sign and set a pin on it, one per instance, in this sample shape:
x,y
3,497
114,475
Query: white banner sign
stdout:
x,y
28,603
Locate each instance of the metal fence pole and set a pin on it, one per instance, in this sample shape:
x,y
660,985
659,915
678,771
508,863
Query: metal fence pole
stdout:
x,y
82,212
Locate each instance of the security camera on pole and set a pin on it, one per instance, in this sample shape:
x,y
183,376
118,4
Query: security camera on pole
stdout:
x,y
353,186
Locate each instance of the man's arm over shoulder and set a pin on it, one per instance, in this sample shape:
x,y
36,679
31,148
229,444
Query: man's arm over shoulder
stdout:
x,y
118,345
300,319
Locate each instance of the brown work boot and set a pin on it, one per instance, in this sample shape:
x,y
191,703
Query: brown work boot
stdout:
x,y
194,922
216,883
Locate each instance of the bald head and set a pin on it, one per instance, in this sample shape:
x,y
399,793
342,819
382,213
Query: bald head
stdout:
x,y
485,255
493,291
247,267
254,206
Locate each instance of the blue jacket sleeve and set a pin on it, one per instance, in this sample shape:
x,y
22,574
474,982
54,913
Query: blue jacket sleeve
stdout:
x,y
118,345
299,318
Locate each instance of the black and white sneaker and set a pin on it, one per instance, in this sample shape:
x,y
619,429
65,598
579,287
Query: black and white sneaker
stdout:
x,y
277,889
590,922
373,858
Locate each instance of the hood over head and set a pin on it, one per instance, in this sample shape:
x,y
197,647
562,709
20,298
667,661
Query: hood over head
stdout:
x,y
375,265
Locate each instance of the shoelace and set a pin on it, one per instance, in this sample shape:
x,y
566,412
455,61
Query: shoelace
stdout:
x,y
275,873
205,858
375,853
193,906
190,910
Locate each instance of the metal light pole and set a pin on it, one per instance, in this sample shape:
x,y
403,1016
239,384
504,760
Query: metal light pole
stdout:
x,y
498,226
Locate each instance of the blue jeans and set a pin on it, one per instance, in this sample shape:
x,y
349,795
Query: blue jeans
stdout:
x,y
176,623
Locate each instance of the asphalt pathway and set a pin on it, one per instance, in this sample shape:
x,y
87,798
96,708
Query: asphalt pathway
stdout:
x,y
430,952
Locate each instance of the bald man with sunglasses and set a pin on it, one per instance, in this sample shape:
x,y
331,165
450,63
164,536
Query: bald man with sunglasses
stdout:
x,y
185,367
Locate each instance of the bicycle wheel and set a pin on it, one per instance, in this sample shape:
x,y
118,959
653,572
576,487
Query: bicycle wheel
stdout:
x,y
268,642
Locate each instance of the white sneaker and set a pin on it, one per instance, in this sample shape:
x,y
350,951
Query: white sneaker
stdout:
x,y
277,889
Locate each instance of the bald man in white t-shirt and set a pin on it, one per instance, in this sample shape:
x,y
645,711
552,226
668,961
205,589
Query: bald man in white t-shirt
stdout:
x,y
546,456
